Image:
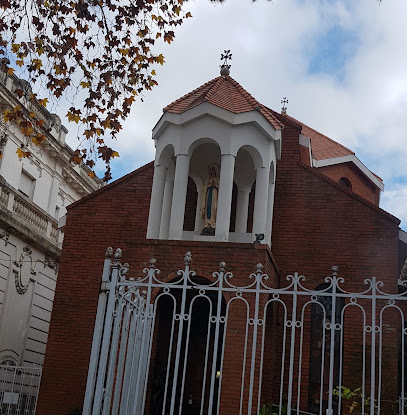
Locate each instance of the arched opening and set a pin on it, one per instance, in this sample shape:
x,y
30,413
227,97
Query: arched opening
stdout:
x,y
345,182
195,348
320,350
190,205
205,162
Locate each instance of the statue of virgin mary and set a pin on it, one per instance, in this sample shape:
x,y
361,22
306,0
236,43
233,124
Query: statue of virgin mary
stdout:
x,y
209,202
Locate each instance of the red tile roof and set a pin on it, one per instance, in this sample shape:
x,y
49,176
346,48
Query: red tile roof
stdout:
x,y
226,93
322,146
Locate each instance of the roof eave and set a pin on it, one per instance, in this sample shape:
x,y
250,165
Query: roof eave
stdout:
x,y
352,159
208,109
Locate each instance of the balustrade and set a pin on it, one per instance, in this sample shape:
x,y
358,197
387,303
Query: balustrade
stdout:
x,y
28,213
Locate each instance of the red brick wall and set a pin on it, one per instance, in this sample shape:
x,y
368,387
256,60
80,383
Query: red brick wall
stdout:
x,y
361,185
317,224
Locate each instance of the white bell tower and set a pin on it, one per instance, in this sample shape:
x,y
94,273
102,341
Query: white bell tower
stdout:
x,y
222,139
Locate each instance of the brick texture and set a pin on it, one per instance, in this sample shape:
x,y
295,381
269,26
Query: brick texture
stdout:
x,y
317,223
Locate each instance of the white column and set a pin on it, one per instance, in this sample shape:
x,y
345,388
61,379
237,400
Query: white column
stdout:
x,y
260,202
179,196
225,197
156,202
242,210
166,210
270,207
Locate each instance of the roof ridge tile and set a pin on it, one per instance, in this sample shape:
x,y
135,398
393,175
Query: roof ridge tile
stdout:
x,y
214,87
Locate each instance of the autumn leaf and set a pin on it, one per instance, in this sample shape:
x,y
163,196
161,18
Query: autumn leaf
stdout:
x,y
160,59
91,174
19,62
88,133
43,102
36,64
115,154
73,117
10,71
23,154
38,139
85,84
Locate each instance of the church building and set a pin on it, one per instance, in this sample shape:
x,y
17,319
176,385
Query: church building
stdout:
x,y
244,191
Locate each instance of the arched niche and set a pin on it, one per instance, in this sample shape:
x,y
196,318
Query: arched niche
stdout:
x,y
203,153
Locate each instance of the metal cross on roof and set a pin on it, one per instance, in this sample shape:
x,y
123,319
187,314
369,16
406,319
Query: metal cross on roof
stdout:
x,y
284,101
225,68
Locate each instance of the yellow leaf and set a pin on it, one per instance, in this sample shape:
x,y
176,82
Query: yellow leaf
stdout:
x,y
160,59
57,69
158,35
124,52
20,62
154,17
32,114
37,63
23,154
43,101
85,84
91,174
1,155
98,131
10,71
106,123
15,47
115,154
153,72
177,10
88,133
73,117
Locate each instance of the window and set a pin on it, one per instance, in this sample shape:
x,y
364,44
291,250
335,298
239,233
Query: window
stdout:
x,y
27,184
343,181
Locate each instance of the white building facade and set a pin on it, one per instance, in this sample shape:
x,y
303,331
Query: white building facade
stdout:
x,y
34,193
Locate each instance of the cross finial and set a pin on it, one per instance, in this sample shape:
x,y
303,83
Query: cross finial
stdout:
x,y
225,68
284,101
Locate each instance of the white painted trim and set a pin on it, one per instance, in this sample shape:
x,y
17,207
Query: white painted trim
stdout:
x,y
403,236
306,142
207,108
353,159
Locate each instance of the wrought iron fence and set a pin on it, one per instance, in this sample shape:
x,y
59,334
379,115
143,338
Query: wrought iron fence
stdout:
x,y
235,345
19,387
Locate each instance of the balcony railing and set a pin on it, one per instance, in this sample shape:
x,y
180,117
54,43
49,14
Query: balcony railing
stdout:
x,y
23,209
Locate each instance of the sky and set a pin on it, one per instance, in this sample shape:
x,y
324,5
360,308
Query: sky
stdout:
x,y
341,64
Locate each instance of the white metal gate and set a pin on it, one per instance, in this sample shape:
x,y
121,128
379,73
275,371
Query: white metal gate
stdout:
x,y
19,388
235,347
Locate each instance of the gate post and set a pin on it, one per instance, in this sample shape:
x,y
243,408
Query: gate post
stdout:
x,y
105,308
